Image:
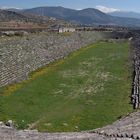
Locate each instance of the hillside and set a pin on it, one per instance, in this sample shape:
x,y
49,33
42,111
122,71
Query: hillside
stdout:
x,y
6,16
86,16
12,18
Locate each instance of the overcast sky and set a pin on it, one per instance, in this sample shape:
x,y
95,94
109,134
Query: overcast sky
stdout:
x,y
104,5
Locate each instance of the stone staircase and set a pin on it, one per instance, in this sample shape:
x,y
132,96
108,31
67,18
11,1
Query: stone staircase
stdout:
x,y
128,127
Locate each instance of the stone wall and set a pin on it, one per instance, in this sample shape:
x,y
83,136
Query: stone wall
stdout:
x,y
19,56
136,72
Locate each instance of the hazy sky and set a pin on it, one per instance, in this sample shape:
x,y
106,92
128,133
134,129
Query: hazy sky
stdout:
x,y
104,5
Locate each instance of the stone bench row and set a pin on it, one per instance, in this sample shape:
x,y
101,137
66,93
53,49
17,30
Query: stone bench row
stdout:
x,y
135,98
22,59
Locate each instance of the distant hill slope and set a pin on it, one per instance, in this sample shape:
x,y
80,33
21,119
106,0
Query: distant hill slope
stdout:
x,y
18,16
6,16
125,14
85,16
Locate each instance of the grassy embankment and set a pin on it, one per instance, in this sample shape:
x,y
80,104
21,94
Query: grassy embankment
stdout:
x,y
89,89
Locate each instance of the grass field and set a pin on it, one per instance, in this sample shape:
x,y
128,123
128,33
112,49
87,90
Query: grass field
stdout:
x,y
89,89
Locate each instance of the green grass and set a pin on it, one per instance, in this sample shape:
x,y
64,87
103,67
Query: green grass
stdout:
x,y
89,89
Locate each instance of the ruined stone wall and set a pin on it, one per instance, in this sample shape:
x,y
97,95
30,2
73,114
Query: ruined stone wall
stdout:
x,y
19,56
136,71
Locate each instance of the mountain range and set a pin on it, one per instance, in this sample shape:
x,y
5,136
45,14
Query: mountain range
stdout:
x,y
89,16
125,14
